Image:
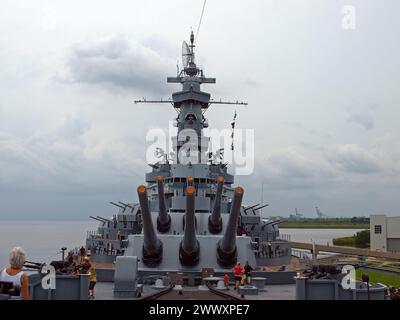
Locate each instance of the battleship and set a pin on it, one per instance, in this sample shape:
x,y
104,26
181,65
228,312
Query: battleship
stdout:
x,y
190,221
189,227
189,215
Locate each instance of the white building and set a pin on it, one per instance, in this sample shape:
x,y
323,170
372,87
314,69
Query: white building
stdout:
x,y
385,233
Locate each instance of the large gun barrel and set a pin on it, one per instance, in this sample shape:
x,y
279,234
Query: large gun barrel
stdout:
x,y
126,205
251,207
189,249
268,222
118,205
215,220
163,219
226,249
152,246
97,219
258,208
104,219
33,265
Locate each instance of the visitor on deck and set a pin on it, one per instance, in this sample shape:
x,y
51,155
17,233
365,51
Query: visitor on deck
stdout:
x,y
70,258
75,256
82,253
86,265
14,274
247,272
264,250
92,280
270,250
226,280
238,273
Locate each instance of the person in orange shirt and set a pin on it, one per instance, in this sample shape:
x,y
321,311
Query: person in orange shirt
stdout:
x,y
14,274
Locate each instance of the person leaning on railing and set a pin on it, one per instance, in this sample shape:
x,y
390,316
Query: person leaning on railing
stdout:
x,y
14,274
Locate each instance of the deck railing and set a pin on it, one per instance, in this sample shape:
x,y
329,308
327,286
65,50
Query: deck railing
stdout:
x,y
285,237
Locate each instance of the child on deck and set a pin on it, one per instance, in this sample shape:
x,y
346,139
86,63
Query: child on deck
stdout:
x,y
226,280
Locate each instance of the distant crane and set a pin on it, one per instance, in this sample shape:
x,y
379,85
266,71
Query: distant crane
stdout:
x,y
297,213
320,214
296,216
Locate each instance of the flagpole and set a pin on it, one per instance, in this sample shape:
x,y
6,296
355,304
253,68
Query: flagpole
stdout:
x,y
262,198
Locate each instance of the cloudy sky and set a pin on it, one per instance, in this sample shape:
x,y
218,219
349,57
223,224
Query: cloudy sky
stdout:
x,y
323,100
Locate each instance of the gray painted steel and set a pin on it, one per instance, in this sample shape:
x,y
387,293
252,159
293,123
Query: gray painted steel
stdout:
x,y
393,245
331,289
125,280
208,256
67,288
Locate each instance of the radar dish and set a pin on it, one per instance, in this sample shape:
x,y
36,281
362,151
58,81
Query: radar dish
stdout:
x,y
186,54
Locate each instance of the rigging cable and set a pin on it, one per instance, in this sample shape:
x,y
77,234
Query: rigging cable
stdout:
x,y
201,18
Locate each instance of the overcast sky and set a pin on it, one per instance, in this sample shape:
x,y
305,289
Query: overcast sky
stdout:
x,y
323,100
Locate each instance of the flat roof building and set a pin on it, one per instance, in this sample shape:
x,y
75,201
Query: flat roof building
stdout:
x,y
385,233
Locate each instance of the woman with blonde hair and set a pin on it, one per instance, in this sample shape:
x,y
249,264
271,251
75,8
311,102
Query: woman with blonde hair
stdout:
x,y
14,274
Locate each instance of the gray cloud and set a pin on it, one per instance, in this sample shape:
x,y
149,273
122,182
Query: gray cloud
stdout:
x,y
68,159
309,130
251,83
70,166
117,64
161,45
332,179
363,119
290,163
293,169
355,159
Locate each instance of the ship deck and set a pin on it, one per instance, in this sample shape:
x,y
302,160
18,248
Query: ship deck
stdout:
x,y
104,291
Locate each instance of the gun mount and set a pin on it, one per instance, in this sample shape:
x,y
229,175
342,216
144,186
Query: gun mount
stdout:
x,y
215,220
226,249
163,219
152,246
189,249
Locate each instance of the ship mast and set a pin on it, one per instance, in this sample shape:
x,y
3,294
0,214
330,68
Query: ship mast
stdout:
x,y
191,103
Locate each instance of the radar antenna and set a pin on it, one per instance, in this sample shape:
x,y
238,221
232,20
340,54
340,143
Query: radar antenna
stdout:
x,y
187,55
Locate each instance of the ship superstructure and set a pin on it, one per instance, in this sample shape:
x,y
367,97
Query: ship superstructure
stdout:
x,y
189,215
